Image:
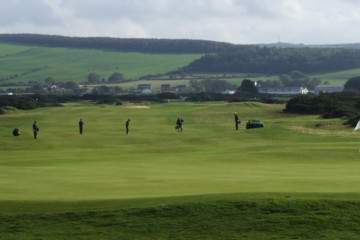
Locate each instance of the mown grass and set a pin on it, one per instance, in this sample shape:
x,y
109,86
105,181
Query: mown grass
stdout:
x,y
64,64
290,179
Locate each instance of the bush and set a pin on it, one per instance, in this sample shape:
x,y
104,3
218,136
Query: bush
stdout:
x,y
168,95
207,96
353,121
329,106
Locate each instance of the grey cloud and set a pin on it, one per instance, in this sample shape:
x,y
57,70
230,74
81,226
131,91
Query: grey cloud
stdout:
x,y
237,21
26,12
148,9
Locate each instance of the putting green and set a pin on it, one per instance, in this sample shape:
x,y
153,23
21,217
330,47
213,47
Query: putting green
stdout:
x,y
289,154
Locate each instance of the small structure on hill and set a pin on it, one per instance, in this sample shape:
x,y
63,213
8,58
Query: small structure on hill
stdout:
x,y
165,87
285,90
144,88
179,87
328,88
229,92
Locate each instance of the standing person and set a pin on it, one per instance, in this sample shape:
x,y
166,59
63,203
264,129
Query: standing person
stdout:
x,y
127,126
81,124
35,129
237,121
179,123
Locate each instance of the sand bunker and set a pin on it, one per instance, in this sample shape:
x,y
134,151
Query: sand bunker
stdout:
x,y
137,106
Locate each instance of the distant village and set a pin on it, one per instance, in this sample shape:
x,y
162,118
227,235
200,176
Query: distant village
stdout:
x,y
149,89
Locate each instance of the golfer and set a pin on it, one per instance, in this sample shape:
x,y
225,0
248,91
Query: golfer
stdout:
x,y
237,121
127,126
81,125
179,123
35,129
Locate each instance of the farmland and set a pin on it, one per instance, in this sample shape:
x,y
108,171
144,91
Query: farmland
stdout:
x,y
24,63
211,182
31,63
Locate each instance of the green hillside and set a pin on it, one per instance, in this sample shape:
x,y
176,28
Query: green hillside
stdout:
x,y
338,78
27,63
289,180
24,63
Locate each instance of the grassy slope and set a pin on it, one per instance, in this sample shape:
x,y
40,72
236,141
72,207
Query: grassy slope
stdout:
x,y
160,181
75,64
338,78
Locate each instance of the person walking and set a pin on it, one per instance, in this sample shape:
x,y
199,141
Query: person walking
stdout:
x,y
81,125
35,129
179,123
237,121
127,126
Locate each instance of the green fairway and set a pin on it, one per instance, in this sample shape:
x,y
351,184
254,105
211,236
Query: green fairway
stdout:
x,y
210,157
165,180
27,63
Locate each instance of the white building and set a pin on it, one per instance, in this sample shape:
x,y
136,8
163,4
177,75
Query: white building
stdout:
x,y
285,90
229,92
328,88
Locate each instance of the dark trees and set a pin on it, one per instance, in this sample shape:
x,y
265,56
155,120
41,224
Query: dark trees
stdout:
x,y
211,85
119,44
116,78
247,87
93,78
273,61
353,84
329,106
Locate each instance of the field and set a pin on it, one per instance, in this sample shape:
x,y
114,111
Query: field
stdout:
x,y
21,63
297,178
338,78
29,63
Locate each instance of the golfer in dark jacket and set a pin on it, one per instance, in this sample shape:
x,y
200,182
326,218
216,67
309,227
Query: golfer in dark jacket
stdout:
x,y
35,129
16,132
127,126
81,124
237,121
179,123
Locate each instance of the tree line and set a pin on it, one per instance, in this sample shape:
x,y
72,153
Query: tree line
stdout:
x,y
272,61
220,57
119,44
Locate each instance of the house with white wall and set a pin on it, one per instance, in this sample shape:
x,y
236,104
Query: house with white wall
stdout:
x,y
284,90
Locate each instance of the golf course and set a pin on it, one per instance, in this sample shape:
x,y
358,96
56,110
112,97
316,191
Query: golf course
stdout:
x,y
296,178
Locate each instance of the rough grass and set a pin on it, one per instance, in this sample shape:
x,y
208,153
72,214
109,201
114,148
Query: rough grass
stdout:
x,y
282,218
209,183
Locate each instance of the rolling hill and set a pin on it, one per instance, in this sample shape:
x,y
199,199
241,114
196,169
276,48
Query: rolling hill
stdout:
x,y
21,63
32,57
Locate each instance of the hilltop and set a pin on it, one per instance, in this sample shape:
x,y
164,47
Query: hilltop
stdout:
x,y
29,58
149,45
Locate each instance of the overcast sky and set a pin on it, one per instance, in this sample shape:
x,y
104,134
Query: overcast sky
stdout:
x,y
234,21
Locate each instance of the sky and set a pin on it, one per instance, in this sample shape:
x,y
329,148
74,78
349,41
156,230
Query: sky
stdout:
x,y
233,21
